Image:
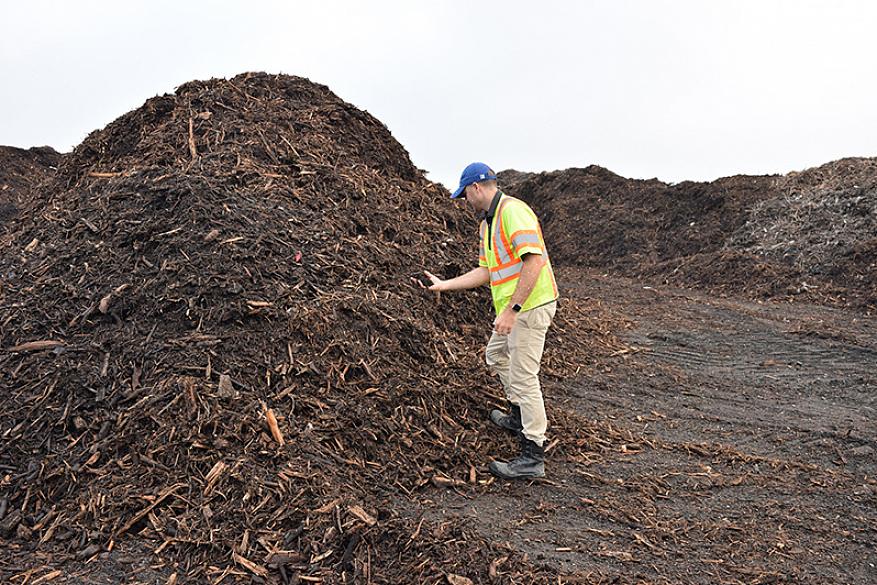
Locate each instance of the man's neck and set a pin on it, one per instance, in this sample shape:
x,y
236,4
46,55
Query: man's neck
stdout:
x,y
492,203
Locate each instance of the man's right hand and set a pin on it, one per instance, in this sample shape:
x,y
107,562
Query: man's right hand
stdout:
x,y
437,283
475,277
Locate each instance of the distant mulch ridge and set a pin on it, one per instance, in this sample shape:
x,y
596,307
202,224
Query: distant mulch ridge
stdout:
x,y
20,172
211,341
809,235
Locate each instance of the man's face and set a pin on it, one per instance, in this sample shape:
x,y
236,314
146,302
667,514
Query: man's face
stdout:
x,y
472,196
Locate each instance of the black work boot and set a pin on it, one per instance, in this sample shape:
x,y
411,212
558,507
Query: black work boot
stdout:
x,y
529,464
510,421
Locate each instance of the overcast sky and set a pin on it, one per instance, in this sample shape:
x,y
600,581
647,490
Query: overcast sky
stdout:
x,y
674,89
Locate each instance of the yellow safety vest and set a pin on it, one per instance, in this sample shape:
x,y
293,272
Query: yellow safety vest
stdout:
x,y
514,231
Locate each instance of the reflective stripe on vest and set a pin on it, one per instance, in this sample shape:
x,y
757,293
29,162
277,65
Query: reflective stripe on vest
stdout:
x,y
500,243
507,266
523,237
482,256
502,274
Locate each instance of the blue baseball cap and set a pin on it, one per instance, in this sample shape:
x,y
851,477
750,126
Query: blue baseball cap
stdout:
x,y
474,173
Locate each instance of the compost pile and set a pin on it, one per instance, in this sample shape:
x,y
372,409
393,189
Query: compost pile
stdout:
x,y
20,172
212,341
823,225
803,235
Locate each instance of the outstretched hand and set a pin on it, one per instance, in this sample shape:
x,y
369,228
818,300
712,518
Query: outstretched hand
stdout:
x,y
435,283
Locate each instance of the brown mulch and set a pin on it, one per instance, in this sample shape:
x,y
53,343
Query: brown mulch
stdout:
x,y
212,343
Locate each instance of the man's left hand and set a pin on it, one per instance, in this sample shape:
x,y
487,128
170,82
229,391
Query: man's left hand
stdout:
x,y
504,323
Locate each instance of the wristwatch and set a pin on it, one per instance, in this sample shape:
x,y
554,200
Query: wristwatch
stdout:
x,y
517,308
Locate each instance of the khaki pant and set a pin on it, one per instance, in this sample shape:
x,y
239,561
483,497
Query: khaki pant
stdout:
x,y
515,358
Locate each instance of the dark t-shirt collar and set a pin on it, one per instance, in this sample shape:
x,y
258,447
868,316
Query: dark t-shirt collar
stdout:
x,y
488,215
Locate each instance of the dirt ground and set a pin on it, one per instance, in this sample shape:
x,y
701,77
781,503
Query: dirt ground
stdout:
x,y
751,452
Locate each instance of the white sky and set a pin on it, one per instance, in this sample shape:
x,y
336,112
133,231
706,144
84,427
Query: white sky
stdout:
x,y
674,89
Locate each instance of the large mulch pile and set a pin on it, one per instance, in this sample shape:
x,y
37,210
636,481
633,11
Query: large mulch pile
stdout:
x,y
212,343
809,235
20,172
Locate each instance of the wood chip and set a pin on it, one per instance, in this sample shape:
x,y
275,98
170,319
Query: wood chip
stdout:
x,y
362,515
493,570
252,567
37,345
47,577
136,518
274,427
643,540
226,389
213,476
259,304
326,508
193,150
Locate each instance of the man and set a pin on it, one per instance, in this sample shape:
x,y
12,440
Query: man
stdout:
x,y
514,261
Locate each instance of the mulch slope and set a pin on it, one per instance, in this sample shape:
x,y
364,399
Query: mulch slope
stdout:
x,y
20,171
211,341
803,235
